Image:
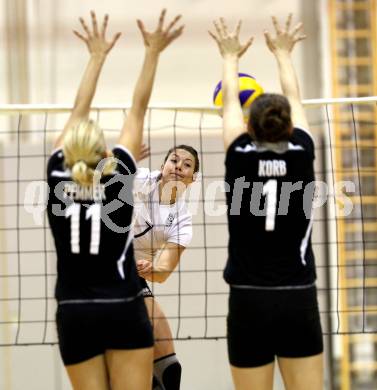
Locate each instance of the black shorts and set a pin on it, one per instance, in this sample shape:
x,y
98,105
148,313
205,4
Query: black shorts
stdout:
x,y
147,292
86,330
263,324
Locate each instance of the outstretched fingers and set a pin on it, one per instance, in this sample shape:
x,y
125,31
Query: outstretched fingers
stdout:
x,y
94,37
114,40
176,33
224,27
214,37
161,20
268,39
297,34
276,25
160,38
297,28
267,36
229,43
299,38
173,23
284,39
218,29
288,22
141,27
94,23
171,33
246,46
104,25
85,27
238,28
80,36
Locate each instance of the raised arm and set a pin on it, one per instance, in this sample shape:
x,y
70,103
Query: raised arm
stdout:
x,y
231,50
155,42
98,47
281,45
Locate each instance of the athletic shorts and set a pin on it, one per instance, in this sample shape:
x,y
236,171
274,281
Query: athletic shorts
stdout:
x,y
263,324
86,330
147,292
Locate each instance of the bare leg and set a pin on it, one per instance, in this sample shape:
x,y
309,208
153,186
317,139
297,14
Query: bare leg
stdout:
x,y
302,373
167,369
130,369
256,378
89,375
161,330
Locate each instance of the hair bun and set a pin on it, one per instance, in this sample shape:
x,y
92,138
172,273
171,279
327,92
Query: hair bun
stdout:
x,y
270,118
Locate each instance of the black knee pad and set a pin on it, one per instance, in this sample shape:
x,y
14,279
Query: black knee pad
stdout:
x,y
171,378
156,384
168,370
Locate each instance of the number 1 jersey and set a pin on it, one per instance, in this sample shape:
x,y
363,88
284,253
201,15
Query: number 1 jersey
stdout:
x,y
270,189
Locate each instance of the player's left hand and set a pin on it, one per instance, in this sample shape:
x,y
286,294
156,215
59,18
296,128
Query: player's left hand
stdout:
x,y
285,39
95,38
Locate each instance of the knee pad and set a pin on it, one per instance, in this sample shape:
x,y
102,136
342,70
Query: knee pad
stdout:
x,y
167,371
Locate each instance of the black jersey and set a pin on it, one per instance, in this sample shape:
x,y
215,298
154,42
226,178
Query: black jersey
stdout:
x,y
269,199
91,230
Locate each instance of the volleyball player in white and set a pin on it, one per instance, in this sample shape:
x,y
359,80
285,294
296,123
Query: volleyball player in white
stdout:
x,y
105,336
273,309
163,229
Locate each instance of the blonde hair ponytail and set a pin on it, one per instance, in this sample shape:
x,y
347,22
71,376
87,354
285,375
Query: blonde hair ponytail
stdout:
x,y
81,173
84,147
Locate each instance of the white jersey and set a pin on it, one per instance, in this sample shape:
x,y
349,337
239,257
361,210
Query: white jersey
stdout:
x,y
155,224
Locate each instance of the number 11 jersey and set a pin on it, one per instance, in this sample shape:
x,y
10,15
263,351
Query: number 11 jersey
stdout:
x,y
91,227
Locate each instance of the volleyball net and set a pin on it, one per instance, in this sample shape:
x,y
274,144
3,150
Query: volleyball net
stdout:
x,y
194,298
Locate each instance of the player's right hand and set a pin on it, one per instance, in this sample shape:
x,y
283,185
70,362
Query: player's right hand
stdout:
x,y
229,43
144,267
162,36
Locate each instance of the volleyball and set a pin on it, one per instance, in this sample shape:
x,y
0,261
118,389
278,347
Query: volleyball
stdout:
x,y
249,90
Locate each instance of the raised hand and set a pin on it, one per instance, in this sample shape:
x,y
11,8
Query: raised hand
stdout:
x,y
161,37
285,39
94,38
229,43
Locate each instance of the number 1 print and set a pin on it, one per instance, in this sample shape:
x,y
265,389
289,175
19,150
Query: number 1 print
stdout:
x,y
270,191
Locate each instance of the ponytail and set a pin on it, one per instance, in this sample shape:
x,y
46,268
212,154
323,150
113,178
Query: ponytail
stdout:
x,y
84,147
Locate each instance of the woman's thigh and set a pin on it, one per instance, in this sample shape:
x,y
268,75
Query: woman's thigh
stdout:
x,y
260,378
163,338
130,369
89,375
302,373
